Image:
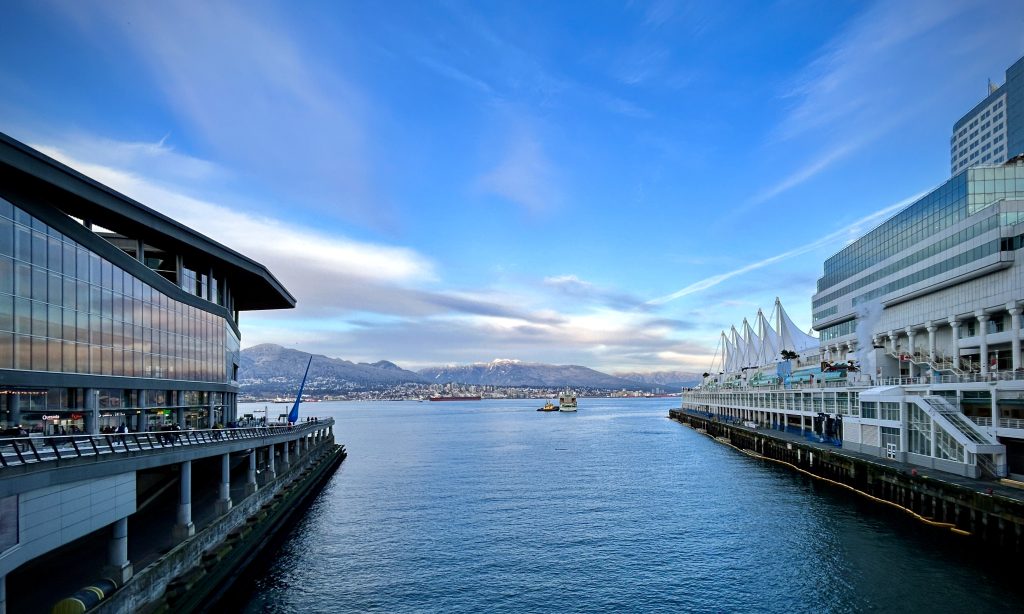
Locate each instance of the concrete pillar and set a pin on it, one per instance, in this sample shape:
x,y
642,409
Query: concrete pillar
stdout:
x,y
983,339
210,420
15,410
994,410
184,527
92,411
271,471
284,456
250,485
931,328
118,567
893,341
911,333
143,411
1015,312
179,412
224,502
904,426
955,349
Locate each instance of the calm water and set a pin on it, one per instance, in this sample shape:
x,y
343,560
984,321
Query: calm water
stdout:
x,y
494,507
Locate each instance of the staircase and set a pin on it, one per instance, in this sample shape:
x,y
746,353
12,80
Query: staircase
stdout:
x,y
942,363
960,422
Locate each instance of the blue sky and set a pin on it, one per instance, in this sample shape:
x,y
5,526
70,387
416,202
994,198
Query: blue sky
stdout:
x,y
604,183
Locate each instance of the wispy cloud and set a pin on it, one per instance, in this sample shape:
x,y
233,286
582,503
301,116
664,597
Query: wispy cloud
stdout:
x,y
252,91
578,289
838,237
524,176
807,172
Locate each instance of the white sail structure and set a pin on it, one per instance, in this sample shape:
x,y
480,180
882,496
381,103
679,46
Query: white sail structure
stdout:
x,y
740,355
769,340
753,345
790,335
728,353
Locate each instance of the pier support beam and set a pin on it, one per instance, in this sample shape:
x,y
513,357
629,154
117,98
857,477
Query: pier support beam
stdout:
x,y
271,472
224,502
250,485
118,568
184,527
284,456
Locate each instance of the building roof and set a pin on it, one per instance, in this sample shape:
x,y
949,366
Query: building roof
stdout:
x,y
252,285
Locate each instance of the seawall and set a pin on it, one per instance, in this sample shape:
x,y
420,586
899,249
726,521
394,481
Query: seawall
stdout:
x,y
197,572
986,512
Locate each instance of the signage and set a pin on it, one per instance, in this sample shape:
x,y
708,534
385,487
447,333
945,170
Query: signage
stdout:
x,y
53,417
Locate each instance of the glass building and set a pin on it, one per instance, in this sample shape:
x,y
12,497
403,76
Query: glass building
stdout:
x,y
993,131
967,227
110,312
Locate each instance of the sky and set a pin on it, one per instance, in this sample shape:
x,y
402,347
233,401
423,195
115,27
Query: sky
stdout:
x,y
609,184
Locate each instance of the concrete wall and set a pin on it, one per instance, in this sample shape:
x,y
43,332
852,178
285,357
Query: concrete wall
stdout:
x,y
53,516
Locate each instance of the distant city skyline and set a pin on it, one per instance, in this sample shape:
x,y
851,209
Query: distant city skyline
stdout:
x,y
459,182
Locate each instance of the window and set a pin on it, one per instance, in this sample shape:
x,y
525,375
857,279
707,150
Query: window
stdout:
x,y
919,437
889,410
868,410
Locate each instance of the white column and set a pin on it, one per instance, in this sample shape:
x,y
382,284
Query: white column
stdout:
x,y
931,328
271,471
911,333
983,337
1015,334
284,456
994,409
224,502
893,341
955,325
184,528
118,567
250,485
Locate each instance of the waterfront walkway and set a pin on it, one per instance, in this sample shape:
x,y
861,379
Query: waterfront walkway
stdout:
x,y
980,486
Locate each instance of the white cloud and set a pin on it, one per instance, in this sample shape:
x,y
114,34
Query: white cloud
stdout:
x,y
265,239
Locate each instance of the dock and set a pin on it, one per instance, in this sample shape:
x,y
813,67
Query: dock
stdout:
x,y
984,511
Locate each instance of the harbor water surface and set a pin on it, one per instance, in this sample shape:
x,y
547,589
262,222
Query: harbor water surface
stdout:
x,y
491,506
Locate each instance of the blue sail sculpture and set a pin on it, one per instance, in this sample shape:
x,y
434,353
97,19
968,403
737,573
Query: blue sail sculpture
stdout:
x,y
293,415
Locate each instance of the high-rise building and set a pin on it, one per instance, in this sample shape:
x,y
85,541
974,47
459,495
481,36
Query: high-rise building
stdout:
x,y
993,131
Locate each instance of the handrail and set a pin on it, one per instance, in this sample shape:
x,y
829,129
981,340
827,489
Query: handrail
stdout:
x,y
40,448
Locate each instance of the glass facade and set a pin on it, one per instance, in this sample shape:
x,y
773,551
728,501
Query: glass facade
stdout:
x,y
65,309
919,437
963,195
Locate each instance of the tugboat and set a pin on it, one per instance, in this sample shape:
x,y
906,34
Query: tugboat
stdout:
x,y
549,406
567,401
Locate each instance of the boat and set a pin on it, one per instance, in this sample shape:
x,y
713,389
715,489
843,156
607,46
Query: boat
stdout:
x,y
549,406
454,398
567,401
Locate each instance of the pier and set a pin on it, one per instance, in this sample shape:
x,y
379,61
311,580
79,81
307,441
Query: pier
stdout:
x,y
988,512
167,517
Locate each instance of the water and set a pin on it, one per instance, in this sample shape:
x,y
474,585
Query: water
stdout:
x,y
491,506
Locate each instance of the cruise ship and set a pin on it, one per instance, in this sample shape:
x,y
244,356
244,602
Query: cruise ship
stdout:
x,y
918,350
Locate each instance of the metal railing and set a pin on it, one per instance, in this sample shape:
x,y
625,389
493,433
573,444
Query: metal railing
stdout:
x,y
42,448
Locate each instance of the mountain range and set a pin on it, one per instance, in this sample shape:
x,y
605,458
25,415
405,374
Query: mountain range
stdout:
x,y
272,370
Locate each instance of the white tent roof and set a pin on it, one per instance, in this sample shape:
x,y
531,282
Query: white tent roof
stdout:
x,y
769,340
791,336
753,345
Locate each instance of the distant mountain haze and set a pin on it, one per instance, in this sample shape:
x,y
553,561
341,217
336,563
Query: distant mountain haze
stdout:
x,y
272,370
